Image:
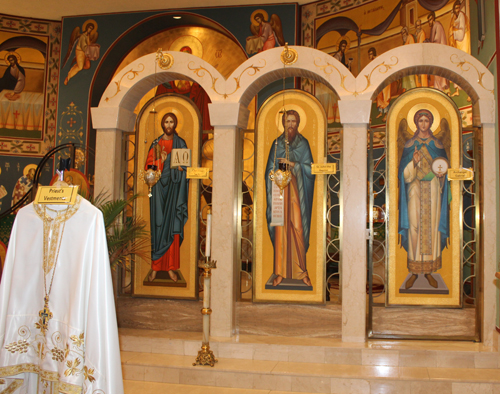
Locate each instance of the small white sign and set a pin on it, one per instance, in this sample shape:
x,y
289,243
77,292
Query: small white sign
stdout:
x,y
180,157
278,207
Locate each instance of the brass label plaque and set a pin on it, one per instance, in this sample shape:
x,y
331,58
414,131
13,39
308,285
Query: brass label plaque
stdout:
x,y
56,195
460,174
326,168
198,173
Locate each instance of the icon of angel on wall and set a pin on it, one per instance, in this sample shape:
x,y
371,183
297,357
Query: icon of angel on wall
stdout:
x,y
83,44
266,32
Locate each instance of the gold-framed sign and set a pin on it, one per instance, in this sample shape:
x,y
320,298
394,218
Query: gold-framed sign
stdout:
x,y
460,174
424,140
56,195
198,173
168,124
323,169
289,224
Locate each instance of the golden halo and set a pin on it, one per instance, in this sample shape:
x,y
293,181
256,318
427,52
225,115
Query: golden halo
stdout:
x,y
413,110
84,26
188,41
252,17
17,55
176,112
347,40
288,107
28,168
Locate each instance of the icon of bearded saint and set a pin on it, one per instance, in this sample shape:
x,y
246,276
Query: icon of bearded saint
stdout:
x,y
424,195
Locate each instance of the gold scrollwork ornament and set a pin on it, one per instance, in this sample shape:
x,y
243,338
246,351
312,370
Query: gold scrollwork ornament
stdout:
x,y
289,55
165,60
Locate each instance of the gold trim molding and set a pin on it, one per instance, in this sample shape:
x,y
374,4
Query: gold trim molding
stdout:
x,y
200,72
465,66
131,74
382,68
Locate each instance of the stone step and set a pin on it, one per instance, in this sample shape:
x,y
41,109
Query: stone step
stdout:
x,y
308,377
137,387
428,354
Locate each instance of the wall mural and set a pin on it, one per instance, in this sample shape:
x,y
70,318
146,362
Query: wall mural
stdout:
x,y
29,71
356,32
82,45
267,33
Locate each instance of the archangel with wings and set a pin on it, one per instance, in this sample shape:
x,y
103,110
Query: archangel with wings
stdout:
x,y
424,194
84,46
265,33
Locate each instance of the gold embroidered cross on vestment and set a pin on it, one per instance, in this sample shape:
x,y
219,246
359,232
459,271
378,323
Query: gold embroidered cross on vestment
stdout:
x,y
45,315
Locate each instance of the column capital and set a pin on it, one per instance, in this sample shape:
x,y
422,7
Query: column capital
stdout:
x,y
228,114
355,111
104,118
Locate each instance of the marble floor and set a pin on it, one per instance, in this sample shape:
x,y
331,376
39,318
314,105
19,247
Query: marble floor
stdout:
x,y
137,387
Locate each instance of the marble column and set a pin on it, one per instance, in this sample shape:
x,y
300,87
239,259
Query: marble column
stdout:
x,y
108,163
110,123
226,118
490,234
354,116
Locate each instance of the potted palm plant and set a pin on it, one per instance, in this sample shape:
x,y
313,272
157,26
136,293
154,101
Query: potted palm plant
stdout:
x,y
127,236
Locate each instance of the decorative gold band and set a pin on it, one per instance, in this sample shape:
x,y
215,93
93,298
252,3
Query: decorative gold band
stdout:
x,y
424,267
51,376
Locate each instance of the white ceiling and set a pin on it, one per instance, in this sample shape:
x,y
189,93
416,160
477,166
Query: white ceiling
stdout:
x,y
56,9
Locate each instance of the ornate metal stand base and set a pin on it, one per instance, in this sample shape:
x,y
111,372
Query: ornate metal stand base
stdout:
x,y
205,357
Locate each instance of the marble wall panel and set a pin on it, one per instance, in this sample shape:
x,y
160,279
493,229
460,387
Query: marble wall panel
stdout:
x,y
439,322
257,319
289,320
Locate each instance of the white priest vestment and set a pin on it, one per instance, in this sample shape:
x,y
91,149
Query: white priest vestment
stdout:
x,y
79,351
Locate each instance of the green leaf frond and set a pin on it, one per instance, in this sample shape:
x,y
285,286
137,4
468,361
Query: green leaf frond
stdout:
x,y
127,237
